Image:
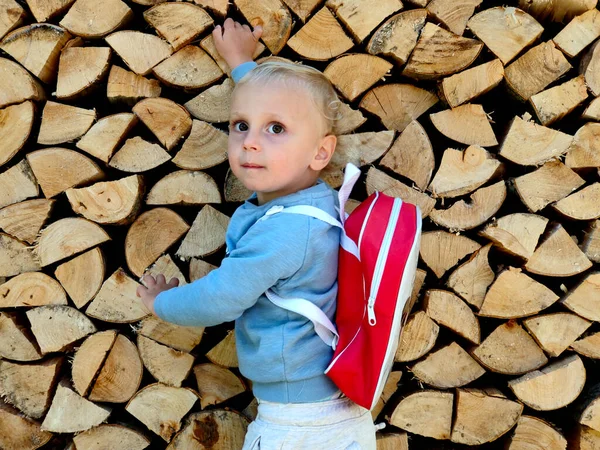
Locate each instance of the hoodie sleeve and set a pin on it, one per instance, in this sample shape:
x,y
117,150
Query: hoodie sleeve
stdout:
x,y
271,250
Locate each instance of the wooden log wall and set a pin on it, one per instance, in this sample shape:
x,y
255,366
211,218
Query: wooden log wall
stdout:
x,y
113,164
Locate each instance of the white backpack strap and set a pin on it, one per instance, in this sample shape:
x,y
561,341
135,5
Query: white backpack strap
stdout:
x,y
351,174
323,326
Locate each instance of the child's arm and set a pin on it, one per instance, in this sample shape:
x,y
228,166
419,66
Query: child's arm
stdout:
x,y
235,42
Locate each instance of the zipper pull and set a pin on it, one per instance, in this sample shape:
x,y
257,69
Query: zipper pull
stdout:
x,y
371,311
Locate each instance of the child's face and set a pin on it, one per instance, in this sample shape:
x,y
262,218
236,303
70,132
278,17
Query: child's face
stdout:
x,y
277,141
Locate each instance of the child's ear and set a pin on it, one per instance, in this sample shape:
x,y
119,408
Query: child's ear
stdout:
x,y
324,153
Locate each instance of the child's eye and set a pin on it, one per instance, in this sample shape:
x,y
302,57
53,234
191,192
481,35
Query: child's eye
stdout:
x,y
276,128
239,126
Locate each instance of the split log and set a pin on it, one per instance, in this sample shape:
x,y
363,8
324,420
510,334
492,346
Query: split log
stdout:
x,y
391,385
461,172
82,276
592,112
219,7
591,242
585,438
418,284
89,358
31,289
450,311
108,17
392,441
213,104
589,66
167,120
360,18
117,302
472,83
558,256
550,183
178,23
584,151
467,124
466,215
16,123
71,413
426,413
117,437
189,68
535,70
510,350
397,105
439,53
17,85
80,69
449,367
63,123
543,143
302,8
16,341
579,33
515,295
379,181
397,37
588,346
224,353
584,299
556,385
555,103
104,136
532,433
18,432
24,220
12,16
187,187
29,387
273,16
355,73
166,365
16,257
167,267
68,237
556,10
235,191
128,87
205,147
417,337
206,235
140,51
453,15
18,183
138,155
37,47
590,409
216,384
472,279
482,418
517,234
215,429
175,336
411,155
441,250
556,332
161,408
57,328
581,205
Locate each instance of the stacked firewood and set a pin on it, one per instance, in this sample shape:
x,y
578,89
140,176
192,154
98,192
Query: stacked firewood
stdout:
x,y
113,139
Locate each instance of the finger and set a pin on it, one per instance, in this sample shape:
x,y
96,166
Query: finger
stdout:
x,y
246,27
140,291
237,25
174,282
229,24
160,279
149,280
257,33
217,32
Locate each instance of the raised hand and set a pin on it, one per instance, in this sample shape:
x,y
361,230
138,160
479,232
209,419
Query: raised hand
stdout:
x,y
154,286
235,42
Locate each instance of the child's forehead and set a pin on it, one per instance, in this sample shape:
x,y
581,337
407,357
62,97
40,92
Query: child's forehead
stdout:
x,y
280,96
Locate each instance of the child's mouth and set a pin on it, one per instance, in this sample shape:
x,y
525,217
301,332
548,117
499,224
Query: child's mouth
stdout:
x,y
251,166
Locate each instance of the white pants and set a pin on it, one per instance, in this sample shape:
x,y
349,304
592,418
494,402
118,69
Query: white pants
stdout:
x,y
333,425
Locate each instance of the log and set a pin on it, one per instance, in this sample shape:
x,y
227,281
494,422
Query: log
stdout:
x,y
556,11
189,68
469,214
16,257
588,346
166,365
68,237
167,120
556,332
215,429
584,151
517,234
411,155
556,385
206,236
117,437
397,105
212,105
80,69
514,294
579,33
206,146
584,299
104,136
89,359
224,353
590,63
353,74
417,337
449,367
17,85
426,413
471,83
187,187
555,103
535,70
16,341
31,289
177,337
28,387
17,183
37,47
138,155
392,441
581,205
108,17
532,433
591,242
167,267
453,15
235,191
439,53
590,408
24,220
273,16
391,385
548,184
467,124
12,16
558,256
360,18
441,250
482,418
128,87
216,384
592,112
509,350
219,7
302,8
63,123
16,122
397,37
57,327
471,279
82,276
585,438
18,432
117,302
161,408
452,312
140,51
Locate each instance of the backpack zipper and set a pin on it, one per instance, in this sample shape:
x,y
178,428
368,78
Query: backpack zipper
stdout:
x,y
382,259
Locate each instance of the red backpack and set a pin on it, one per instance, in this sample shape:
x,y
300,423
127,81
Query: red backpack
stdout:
x,y
377,266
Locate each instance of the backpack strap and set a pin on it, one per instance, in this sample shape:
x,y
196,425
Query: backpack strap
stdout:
x,y
323,326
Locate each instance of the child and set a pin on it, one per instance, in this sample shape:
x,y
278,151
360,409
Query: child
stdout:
x,y
281,137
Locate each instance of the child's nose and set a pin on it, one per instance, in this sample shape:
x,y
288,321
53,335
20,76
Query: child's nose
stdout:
x,y
251,142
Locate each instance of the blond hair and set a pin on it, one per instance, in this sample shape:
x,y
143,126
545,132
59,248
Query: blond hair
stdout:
x,y
312,80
